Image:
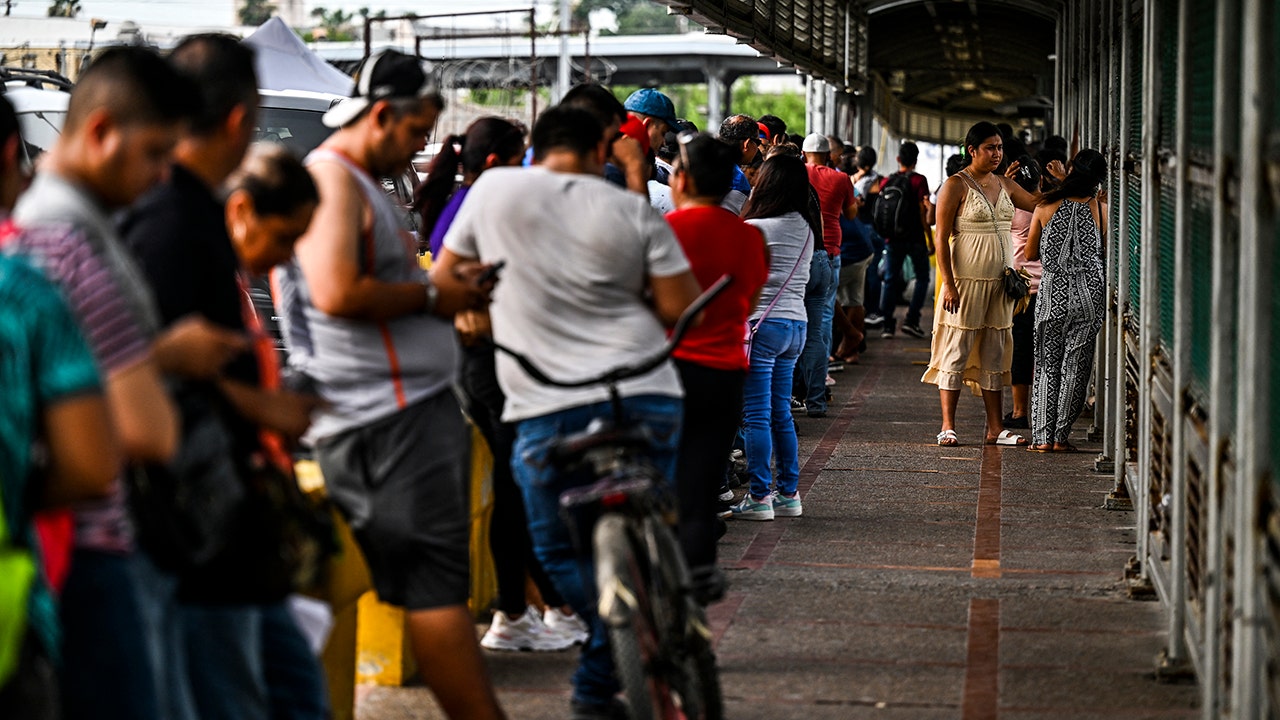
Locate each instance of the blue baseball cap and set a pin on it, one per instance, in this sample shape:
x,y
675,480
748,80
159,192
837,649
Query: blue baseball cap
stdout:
x,y
650,102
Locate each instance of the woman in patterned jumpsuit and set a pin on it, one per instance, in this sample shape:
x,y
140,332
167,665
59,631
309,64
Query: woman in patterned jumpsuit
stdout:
x,y
1066,235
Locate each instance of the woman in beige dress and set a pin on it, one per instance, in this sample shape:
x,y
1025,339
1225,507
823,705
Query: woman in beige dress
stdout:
x,y
973,318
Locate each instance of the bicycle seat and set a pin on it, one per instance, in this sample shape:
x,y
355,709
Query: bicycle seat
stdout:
x,y
600,433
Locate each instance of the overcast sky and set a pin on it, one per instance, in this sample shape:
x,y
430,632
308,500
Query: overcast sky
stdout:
x,y
222,12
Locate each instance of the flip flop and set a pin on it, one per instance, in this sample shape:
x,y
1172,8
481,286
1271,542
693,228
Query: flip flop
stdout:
x,y
1046,448
1007,438
947,438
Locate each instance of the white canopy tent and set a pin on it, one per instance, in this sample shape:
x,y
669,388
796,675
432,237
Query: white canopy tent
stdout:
x,y
284,62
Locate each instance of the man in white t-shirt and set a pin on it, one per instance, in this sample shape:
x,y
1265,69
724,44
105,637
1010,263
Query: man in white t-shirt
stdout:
x,y
593,274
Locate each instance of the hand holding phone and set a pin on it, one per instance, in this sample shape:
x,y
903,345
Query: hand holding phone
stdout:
x,y
490,273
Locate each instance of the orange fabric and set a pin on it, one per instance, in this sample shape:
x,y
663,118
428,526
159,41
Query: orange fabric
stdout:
x,y
273,445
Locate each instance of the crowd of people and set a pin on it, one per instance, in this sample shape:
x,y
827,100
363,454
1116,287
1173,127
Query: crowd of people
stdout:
x,y
152,537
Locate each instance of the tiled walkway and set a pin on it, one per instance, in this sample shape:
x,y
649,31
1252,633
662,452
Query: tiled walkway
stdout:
x,y
922,582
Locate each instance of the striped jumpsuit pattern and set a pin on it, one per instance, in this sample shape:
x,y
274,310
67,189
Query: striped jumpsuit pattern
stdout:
x,y
1069,314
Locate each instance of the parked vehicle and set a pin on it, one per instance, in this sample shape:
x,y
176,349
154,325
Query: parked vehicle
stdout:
x,y
39,98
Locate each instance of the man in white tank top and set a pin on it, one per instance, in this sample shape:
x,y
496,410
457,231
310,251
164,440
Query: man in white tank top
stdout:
x,y
391,443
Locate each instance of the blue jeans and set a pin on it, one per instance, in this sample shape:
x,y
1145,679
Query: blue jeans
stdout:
x,y
875,281
593,682
162,620
225,661
250,661
894,283
295,680
106,669
819,305
766,410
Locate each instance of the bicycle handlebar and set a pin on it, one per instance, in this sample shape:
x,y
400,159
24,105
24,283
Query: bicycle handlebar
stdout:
x,y
624,372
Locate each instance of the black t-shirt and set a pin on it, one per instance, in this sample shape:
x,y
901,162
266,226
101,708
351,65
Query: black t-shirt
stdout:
x,y
178,234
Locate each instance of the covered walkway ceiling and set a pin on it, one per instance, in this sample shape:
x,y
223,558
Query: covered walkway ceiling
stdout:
x,y
937,57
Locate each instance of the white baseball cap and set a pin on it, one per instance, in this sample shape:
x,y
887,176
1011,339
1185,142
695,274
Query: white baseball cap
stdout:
x,y
816,143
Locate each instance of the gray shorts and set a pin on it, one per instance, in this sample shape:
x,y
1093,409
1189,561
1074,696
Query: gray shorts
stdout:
x,y
402,483
853,283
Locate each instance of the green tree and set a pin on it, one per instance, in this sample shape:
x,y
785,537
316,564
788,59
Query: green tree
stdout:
x,y
335,25
634,17
745,99
64,8
691,103
255,12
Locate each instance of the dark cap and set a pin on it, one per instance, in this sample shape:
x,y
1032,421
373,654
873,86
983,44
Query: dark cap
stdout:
x,y
648,101
385,75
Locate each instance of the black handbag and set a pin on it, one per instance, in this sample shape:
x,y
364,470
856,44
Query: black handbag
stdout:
x,y
294,533
1016,283
184,510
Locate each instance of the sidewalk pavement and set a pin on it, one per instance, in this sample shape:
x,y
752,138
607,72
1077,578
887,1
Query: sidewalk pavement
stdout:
x,y
921,582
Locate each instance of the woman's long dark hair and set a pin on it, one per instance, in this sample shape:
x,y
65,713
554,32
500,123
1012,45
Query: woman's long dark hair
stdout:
x,y
782,187
1088,171
484,137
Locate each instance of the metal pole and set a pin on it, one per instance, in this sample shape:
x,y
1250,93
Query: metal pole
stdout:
x,y
563,70
1256,236
1120,450
848,9
1147,321
1095,111
1226,137
533,68
1105,408
1178,651
368,38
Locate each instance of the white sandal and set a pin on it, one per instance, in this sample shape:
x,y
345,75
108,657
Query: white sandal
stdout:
x,y
947,438
1007,438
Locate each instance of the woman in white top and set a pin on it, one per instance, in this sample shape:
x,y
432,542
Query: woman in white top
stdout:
x,y
779,206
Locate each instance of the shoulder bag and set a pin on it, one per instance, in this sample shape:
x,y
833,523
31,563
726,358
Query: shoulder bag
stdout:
x,y
752,327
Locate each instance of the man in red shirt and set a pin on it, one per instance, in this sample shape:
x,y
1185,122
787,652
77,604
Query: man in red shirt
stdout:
x,y
711,359
835,198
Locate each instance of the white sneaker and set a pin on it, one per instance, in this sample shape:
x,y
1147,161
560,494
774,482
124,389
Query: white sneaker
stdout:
x,y
567,626
525,633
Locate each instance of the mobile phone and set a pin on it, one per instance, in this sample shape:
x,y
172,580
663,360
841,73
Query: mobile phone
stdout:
x,y
491,273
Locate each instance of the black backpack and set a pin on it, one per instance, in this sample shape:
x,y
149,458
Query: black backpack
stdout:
x,y
896,214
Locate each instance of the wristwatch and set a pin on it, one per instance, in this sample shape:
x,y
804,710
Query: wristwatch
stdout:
x,y
433,296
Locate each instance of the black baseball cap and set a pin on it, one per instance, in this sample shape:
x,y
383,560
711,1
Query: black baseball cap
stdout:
x,y
384,75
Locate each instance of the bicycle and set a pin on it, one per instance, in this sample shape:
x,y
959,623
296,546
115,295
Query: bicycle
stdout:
x,y
658,631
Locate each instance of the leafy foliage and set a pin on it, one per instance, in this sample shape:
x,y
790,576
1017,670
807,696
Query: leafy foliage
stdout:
x,y
691,103
335,25
255,12
64,8
634,17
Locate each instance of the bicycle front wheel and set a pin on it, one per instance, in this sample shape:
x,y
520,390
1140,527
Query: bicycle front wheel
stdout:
x,y
691,668
622,582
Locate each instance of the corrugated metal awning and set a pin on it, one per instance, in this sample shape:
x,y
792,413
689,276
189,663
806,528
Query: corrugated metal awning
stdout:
x,y
928,64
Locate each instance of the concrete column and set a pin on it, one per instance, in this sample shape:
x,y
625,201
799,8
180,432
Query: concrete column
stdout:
x,y
862,120
717,96
564,66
